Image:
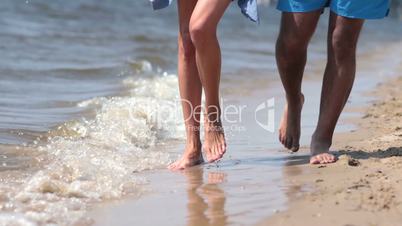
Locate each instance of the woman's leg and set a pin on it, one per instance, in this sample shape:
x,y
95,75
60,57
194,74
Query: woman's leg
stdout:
x,y
190,89
203,28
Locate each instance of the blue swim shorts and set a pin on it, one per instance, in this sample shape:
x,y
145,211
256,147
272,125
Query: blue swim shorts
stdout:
x,y
359,9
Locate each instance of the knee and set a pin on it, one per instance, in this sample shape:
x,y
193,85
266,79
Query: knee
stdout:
x,y
289,45
200,32
186,46
343,45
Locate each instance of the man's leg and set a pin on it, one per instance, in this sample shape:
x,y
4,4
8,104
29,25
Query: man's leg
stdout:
x,y
343,35
203,28
190,89
291,55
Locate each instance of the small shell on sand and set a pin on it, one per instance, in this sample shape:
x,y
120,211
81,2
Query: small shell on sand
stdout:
x,y
348,160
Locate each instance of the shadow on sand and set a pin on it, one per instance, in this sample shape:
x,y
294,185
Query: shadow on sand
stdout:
x,y
355,154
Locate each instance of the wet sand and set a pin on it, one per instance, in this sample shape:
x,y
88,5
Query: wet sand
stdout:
x,y
227,192
254,185
83,91
364,186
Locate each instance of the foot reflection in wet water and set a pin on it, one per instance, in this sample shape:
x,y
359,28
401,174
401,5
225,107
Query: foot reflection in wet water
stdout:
x,y
206,200
294,168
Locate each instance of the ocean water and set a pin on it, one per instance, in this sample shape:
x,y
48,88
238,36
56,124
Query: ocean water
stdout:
x,y
89,98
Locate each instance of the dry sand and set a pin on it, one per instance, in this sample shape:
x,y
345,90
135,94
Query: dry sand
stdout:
x,y
365,186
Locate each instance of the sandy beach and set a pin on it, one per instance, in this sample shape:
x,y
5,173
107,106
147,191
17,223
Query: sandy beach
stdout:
x,y
273,187
90,118
364,186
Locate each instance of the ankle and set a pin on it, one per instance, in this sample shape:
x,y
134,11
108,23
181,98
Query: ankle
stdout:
x,y
193,141
212,114
193,148
295,99
213,126
193,136
321,139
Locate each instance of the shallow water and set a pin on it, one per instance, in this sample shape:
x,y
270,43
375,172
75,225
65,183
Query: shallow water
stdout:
x,y
88,101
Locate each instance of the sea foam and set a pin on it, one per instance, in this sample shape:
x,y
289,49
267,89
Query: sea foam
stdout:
x,y
93,160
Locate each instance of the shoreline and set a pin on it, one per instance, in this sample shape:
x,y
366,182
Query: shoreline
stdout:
x,y
363,187
282,196
91,115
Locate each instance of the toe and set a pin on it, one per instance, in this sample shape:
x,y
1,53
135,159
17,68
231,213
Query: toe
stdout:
x,y
332,159
213,155
320,159
180,167
219,155
295,147
223,146
208,154
325,158
220,149
314,160
282,139
173,166
289,142
218,152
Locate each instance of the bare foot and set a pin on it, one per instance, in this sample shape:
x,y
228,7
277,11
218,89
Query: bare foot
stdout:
x,y
320,152
215,144
192,156
289,130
